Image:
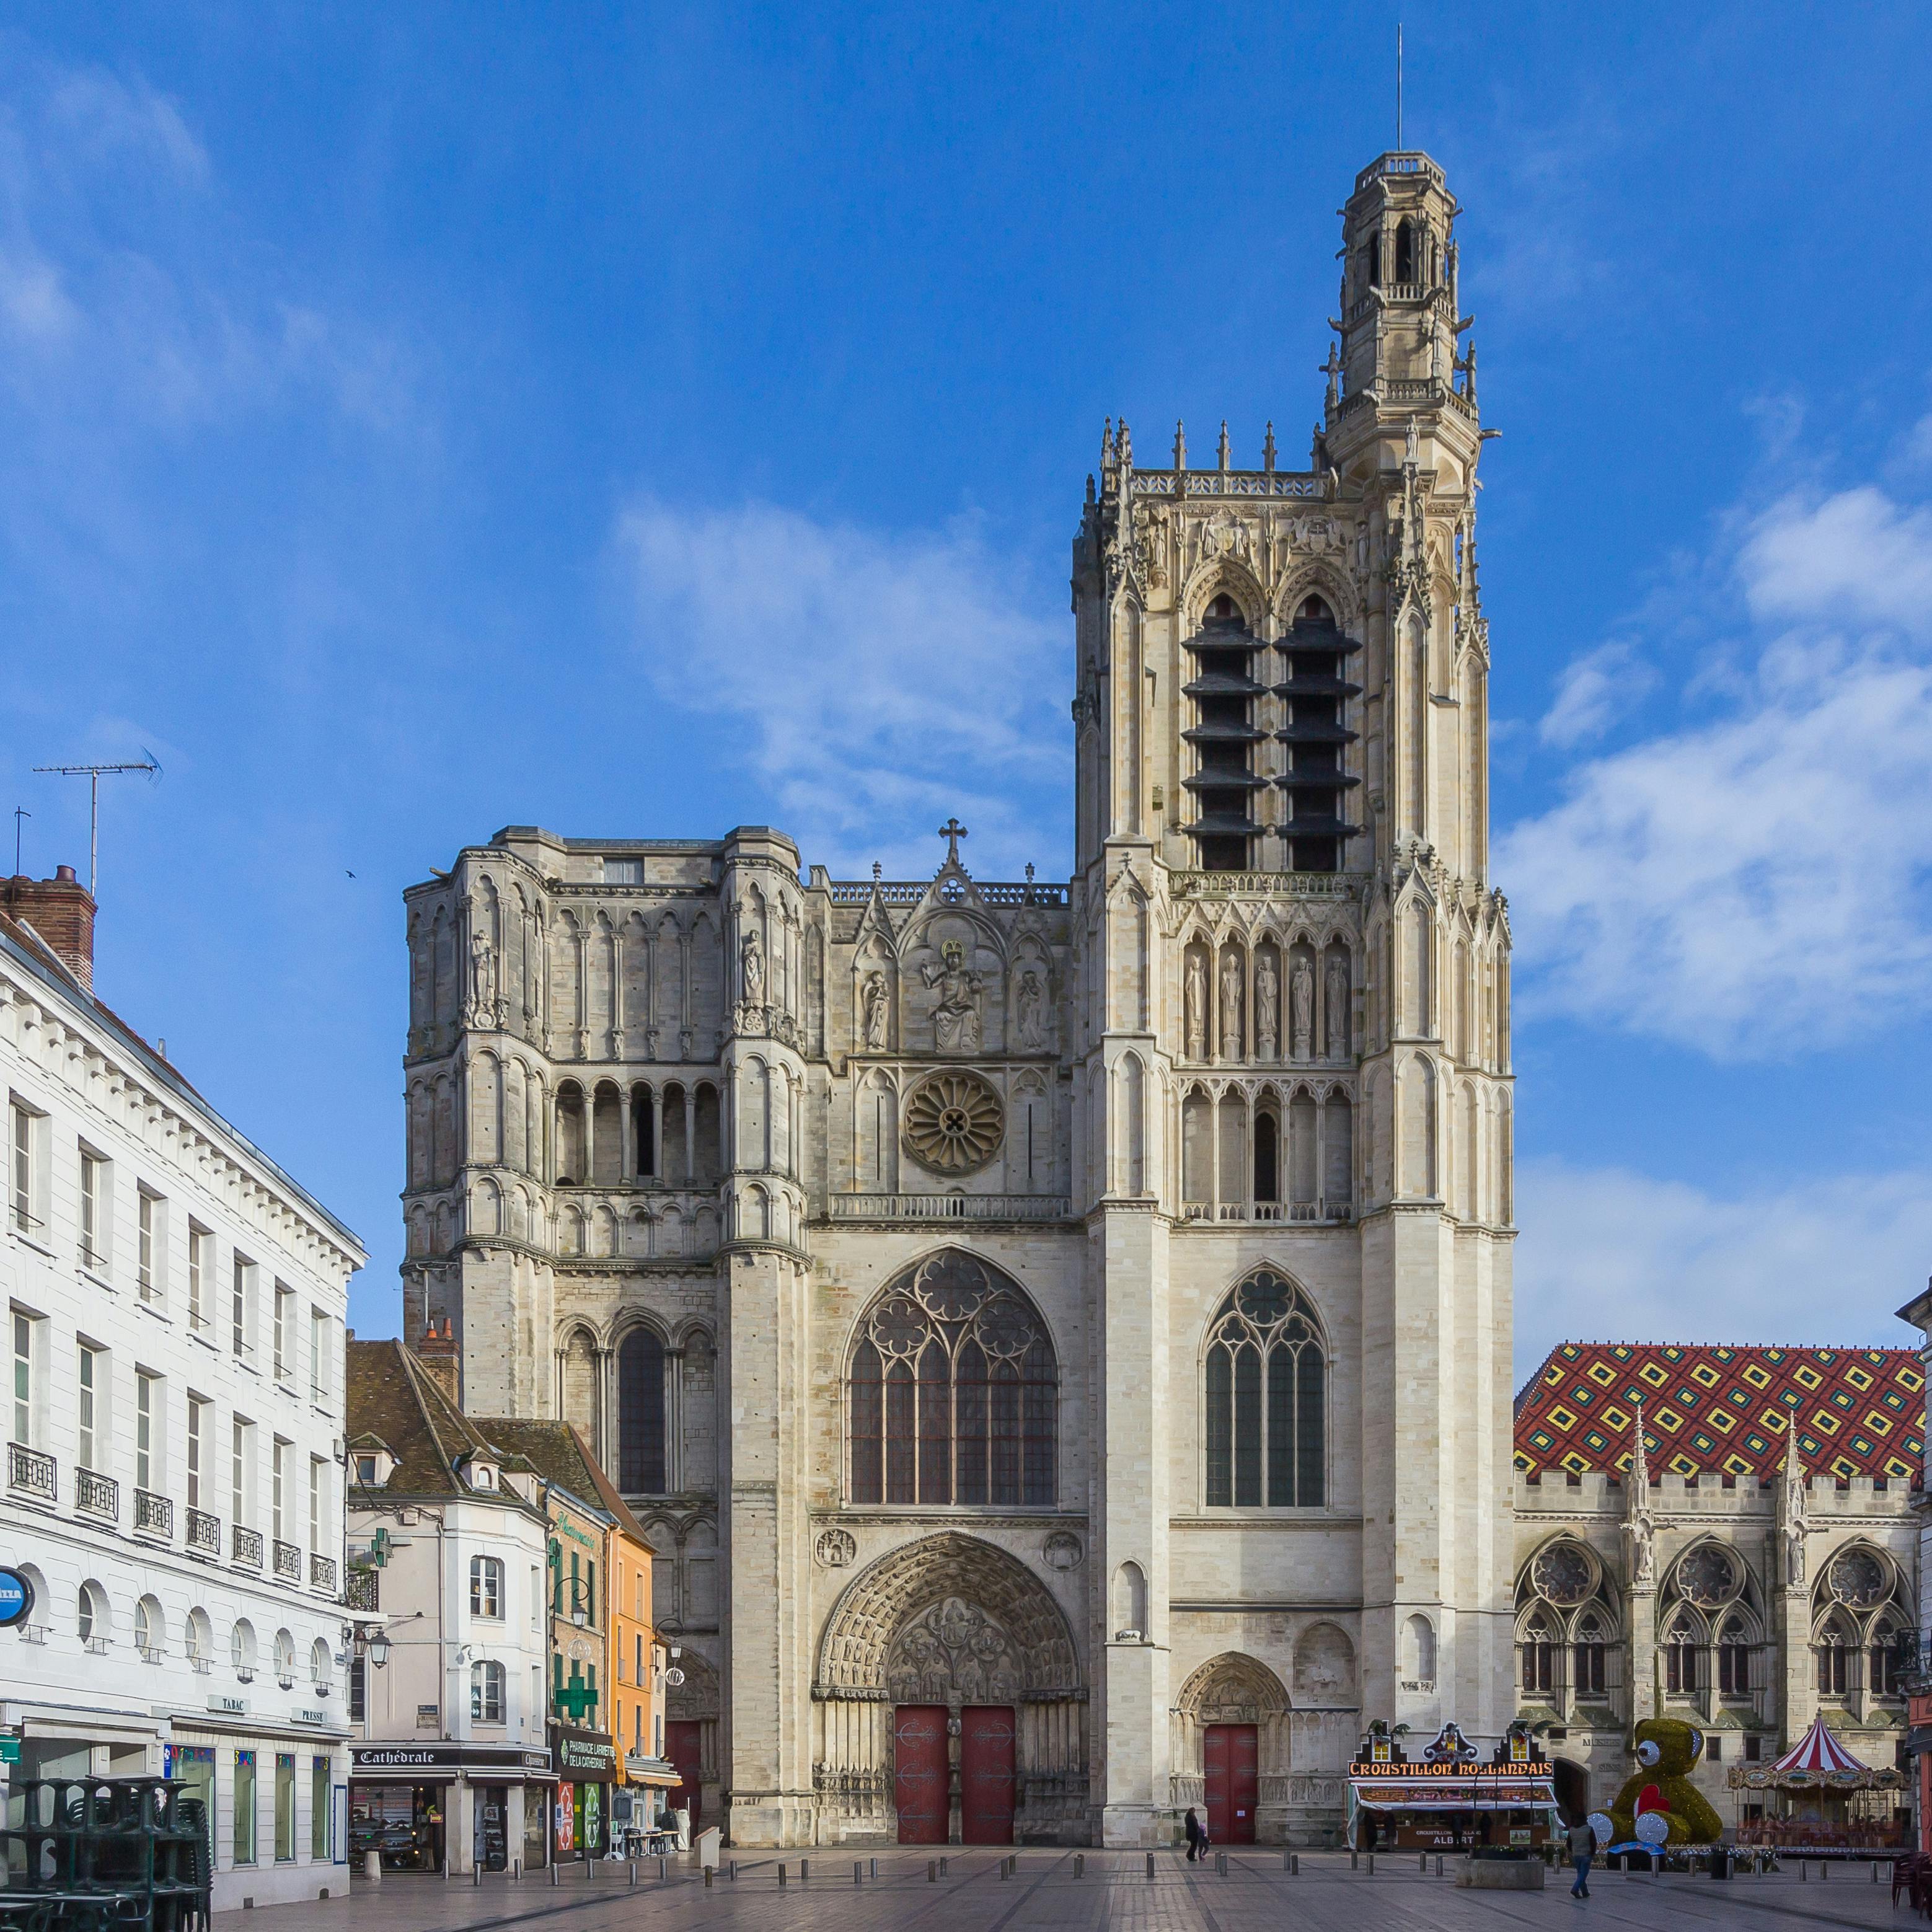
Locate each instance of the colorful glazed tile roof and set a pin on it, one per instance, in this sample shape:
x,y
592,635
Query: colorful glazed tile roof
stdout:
x,y
1724,1410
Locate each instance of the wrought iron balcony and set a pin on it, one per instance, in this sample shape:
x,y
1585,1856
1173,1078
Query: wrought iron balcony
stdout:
x,y
204,1532
288,1561
32,1472
322,1572
247,1546
363,1592
154,1514
98,1495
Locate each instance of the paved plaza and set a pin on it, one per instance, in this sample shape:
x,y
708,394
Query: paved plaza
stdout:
x,y
1113,1890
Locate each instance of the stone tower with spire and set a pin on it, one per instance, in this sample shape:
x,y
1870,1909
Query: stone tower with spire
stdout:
x,y
1294,1049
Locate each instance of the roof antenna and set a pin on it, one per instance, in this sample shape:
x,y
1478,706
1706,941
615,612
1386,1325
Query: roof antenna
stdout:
x,y
20,811
1398,87
147,763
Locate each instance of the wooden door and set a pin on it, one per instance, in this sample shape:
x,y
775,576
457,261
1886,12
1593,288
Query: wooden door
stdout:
x,y
918,1774
987,1735
684,1746
1230,1756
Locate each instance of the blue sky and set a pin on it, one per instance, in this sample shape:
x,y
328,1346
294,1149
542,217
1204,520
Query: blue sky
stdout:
x,y
642,421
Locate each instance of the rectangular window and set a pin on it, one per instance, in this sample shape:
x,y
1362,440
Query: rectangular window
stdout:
x,y
640,1656
319,1850
24,1169
148,1437
239,1309
93,1210
23,1379
1681,1676
1734,1669
93,1391
359,1689
275,1502
285,1807
197,1432
1589,1666
285,1316
237,1473
200,1254
147,1258
318,1354
1834,1671
536,1597
1753,1749
318,1502
244,1807
1714,1749
1539,1668
486,1587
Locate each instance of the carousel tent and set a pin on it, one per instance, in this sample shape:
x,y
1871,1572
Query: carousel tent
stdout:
x,y
1831,1802
1818,1757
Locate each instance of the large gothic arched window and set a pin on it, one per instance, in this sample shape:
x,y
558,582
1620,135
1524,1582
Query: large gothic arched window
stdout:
x,y
640,1413
954,1391
1266,1391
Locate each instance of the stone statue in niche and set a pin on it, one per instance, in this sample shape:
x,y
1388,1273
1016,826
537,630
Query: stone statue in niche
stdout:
x,y
482,976
872,999
1643,1533
751,966
1032,1006
1335,1009
1303,997
1267,991
955,1019
1197,1010
1231,1008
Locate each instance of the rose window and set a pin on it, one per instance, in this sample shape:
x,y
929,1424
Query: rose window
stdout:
x,y
954,1123
1707,1577
1858,1579
1563,1575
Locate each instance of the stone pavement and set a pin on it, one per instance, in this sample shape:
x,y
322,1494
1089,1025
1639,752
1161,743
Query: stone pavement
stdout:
x,y
1043,1895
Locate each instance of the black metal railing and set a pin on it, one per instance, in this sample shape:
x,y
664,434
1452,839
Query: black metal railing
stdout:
x,y
288,1561
32,1471
204,1532
98,1495
364,1592
246,1546
322,1572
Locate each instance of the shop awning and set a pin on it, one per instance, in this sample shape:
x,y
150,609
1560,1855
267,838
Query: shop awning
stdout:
x,y
655,1771
1466,1795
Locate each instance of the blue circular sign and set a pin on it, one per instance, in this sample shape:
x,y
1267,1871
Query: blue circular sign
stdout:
x,y
17,1598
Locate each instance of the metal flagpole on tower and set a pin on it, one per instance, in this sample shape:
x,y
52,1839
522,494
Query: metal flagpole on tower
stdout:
x,y
1398,87
151,765
20,811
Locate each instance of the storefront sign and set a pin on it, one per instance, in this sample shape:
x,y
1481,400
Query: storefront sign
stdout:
x,y
577,1754
17,1598
10,1750
310,1717
364,1758
230,1707
1463,1774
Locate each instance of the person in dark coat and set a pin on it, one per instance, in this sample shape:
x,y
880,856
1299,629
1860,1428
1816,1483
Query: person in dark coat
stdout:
x,y
1196,1834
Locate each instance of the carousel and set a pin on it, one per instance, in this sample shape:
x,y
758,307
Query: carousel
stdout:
x,y
1829,1804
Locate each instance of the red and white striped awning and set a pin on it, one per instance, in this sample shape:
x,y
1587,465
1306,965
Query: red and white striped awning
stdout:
x,y
1819,1754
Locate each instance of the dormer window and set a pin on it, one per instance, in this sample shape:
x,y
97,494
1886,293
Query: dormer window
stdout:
x,y
480,1473
373,1467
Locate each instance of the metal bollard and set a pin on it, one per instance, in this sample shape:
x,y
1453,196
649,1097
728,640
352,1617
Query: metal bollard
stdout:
x,y
782,1875
663,1864
1079,1864
804,1869
1150,1856
709,1875
1223,1857
475,1875
1354,1861
734,1868
554,1877
932,1871
1372,1864
874,1871
858,1871
1874,1871
945,1868
1295,1864
1438,1865
516,1869
1004,1873
631,1865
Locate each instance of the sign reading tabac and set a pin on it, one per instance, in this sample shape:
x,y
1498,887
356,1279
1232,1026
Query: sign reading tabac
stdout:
x,y
1452,1773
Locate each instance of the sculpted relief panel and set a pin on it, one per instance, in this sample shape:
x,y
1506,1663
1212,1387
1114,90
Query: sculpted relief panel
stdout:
x,y
954,1654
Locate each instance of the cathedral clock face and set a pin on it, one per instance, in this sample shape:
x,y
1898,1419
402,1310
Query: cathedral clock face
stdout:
x,y
954,1123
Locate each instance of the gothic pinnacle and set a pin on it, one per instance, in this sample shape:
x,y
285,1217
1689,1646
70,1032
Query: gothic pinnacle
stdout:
x,y
1179,445
1267,446
1221,453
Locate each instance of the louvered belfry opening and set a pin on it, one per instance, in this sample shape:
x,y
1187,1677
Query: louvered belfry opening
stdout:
x,y
1224,735
1316,692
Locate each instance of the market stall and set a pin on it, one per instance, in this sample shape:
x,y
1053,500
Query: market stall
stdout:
x,y
1449,1801
1818,1801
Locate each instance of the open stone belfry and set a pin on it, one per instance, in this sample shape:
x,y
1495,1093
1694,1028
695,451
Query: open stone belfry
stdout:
x,y
1056,1336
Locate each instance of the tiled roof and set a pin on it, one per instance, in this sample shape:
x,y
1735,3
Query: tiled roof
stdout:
x,y
558,1453
1710,1410
394,1402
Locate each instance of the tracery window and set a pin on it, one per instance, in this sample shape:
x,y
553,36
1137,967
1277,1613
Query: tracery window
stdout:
x,y
954,1391
640,1413
1539,1651
1682,1651
1589,1653
1734,1660
1266,1399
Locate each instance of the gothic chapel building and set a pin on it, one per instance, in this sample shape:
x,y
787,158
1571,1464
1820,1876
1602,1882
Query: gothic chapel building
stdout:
x,y
1058,1336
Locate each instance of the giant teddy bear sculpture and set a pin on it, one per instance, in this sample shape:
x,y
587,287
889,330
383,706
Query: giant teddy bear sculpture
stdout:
x,y
1659,1806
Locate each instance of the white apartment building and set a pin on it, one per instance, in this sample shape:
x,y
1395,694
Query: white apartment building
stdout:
x,y
451,1758
173,1492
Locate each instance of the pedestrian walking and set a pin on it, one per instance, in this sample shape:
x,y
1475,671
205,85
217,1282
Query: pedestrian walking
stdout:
x,y
1582,1842
1197,1837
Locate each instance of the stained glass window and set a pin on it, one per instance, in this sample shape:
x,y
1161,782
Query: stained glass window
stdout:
x,y
1266,1399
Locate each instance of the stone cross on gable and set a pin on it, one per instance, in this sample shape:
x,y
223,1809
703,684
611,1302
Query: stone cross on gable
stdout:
x,y
952,832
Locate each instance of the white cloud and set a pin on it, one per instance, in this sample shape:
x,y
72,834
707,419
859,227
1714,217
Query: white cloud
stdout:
x,y
1608,1255
885,681
1594,690
1757,883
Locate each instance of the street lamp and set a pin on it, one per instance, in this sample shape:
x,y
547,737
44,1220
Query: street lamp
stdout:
x,y
379,1650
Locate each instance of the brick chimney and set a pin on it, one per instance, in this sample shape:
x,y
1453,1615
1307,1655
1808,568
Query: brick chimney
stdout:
x,y
61,910
441,1361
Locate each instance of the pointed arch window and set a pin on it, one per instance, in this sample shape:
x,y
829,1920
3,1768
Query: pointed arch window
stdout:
x,y
1588,1654
1682,1650
1734,1659
1539,1651
640,1413
1266,1399
954,1392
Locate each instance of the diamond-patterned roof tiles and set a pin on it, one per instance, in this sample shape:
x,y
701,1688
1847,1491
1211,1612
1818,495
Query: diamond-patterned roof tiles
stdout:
x,y
1711,1410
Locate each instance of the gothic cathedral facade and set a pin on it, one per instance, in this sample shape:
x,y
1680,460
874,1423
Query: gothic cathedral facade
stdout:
x,y
1057,1336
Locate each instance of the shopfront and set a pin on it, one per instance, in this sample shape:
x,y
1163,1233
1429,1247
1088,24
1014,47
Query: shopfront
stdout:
x,y
1449,1801
587,1767
418,1805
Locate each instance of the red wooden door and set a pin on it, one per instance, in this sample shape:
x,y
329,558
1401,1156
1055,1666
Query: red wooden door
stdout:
x,y
987,1733
919,1773
1230,1756
684,1746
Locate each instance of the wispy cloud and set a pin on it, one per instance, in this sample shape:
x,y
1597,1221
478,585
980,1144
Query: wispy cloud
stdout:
x,y
1594,692
884,681
1610,1254
1756,882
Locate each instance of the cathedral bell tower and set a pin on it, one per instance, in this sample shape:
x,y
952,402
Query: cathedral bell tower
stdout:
x,y
1295,1064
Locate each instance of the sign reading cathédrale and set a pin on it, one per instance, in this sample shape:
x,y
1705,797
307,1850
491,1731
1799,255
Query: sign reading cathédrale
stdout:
x,y
1454,1773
